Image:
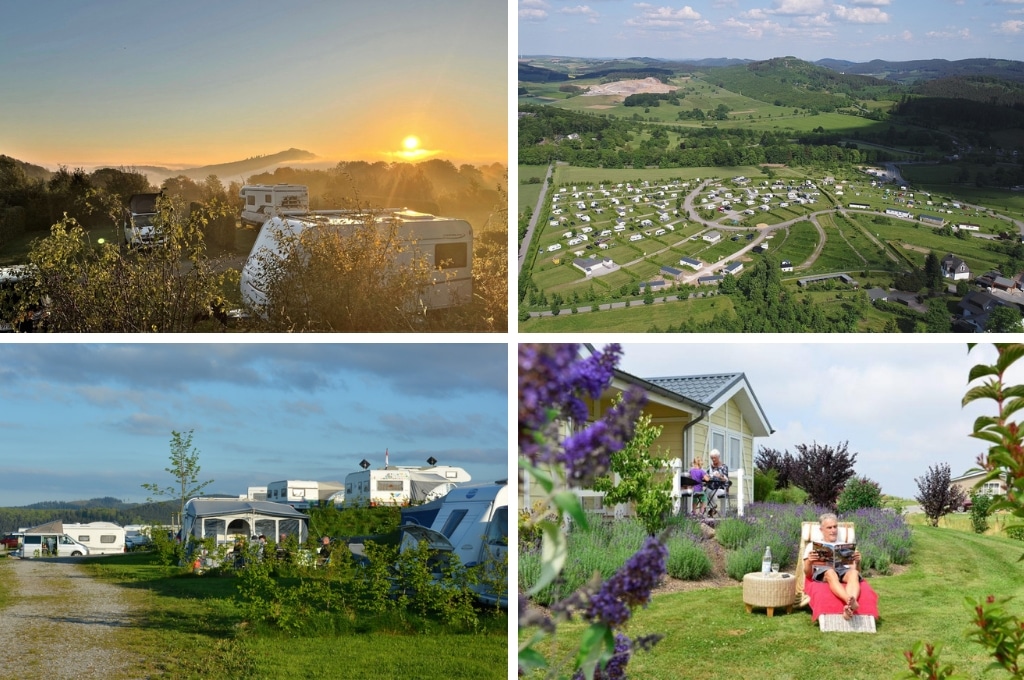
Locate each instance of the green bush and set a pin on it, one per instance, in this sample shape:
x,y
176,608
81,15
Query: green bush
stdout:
x,y
764,484
859,492
981,508
732,532
741,562
791,495
687,560
1015,532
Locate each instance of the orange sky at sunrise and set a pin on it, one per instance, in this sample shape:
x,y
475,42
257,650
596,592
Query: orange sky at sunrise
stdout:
x,y
186,84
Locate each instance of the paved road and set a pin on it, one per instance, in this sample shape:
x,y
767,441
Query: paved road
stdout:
x,y
525,247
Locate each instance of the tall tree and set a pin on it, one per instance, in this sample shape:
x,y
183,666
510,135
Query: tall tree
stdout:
x,y
184,468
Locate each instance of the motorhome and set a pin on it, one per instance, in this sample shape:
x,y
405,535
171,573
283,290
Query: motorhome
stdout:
x,y
445,244
301,494
102,538
473,524
49,540
400,486
139,216
260,202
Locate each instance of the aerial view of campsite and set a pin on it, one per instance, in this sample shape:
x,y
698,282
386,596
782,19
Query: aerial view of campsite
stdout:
x,y
818,189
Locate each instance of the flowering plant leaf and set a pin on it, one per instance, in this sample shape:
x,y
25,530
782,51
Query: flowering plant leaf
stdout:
x,y
570,504
554,549
596,648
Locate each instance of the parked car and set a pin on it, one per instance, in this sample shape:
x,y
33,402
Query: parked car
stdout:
x,y
133,541
11,541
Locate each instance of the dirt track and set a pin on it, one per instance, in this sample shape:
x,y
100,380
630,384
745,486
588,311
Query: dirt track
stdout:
x,y
62,622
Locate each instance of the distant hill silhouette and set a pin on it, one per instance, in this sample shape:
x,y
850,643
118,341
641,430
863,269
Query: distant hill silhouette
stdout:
x,y
231,170
31,171
919,70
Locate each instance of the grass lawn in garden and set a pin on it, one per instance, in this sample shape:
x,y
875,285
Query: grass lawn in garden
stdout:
x,y
191,628
709,635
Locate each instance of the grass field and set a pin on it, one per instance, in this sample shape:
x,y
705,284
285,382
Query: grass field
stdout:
x,y
708,633
191,628
636,318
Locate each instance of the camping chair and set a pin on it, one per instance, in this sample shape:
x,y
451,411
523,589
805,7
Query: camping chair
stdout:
x,y
826,609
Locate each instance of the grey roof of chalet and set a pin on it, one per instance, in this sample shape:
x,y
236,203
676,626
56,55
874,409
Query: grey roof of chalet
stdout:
x,y
703,389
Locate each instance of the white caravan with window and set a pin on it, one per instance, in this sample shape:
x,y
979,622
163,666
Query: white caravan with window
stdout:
x,y
445,243
260,202
102,538
473,524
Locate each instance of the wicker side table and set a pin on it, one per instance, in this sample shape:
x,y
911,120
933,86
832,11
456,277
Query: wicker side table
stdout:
x,y
771,591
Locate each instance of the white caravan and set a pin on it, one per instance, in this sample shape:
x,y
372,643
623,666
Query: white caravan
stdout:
x,y
446,244
473,524
400,486
260,202
301,494
102,538
139,229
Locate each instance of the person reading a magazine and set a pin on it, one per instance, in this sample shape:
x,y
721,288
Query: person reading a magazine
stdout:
x,y
842,576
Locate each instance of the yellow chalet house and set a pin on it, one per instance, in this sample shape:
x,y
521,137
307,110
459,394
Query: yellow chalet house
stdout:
x,y
697,413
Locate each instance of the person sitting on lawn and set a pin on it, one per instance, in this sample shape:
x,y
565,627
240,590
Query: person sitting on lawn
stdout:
x,y
843,580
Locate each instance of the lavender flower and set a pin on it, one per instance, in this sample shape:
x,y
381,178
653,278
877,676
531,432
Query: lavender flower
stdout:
x,y
630,586
553,382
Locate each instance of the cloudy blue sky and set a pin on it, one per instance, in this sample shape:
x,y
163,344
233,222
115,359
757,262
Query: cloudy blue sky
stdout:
x,y
898,405
83,420
855,30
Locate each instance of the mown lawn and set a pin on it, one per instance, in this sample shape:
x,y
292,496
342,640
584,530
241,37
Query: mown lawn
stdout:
x,y
709,635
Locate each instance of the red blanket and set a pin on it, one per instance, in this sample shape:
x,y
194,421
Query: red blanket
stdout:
x,y
824,602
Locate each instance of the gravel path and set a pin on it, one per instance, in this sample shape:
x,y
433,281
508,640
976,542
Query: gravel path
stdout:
x,y
62,622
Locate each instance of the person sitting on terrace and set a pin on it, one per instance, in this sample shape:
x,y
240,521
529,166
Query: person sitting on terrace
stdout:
x,y
843,580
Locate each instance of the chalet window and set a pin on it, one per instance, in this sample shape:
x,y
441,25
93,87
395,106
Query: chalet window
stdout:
x,y
735,459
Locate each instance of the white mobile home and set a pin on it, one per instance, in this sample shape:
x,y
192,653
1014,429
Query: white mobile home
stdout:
x,y
301,493
102,538
445,244
260,202
401,486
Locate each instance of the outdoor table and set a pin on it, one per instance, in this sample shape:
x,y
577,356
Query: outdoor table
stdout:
x,y
769,591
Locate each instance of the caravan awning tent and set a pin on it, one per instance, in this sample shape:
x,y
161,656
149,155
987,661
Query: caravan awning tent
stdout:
x,y
224,519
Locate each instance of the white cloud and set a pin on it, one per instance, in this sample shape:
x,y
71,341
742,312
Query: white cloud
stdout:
x,y
871,3
816,21
861,15
533,10
797,7
662,17
1011,27
581,10
950,34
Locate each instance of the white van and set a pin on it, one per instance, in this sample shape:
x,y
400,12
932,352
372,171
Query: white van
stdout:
x,y
473,524
51,545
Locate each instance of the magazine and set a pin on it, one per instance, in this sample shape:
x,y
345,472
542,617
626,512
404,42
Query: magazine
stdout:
x,y
834,554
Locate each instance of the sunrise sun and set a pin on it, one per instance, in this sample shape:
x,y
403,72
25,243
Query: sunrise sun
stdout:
x,y
411,143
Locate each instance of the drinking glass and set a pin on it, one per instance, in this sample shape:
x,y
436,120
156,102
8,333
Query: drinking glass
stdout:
x,y
775,568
